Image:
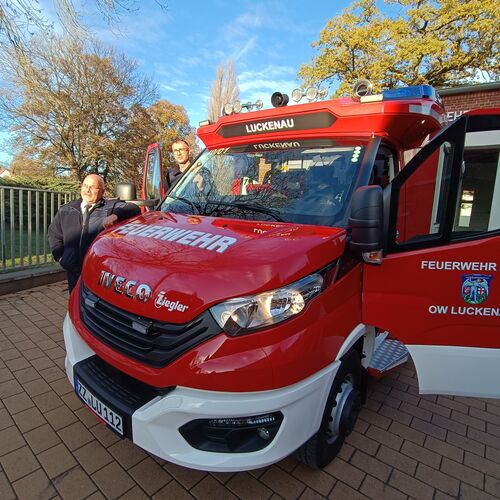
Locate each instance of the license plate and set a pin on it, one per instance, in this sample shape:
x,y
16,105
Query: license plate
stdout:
x,y
104,412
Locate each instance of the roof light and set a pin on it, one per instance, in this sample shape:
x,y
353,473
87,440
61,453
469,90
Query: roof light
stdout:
x,y
311,93
205,123
363,88
237,106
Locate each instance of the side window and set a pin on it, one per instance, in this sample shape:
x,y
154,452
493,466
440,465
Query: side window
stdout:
x,y
423,197
478,203
153,173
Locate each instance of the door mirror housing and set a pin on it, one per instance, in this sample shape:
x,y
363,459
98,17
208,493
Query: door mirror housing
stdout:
x,y
367,223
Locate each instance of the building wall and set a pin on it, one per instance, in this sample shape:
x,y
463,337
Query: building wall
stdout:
x,y
456,104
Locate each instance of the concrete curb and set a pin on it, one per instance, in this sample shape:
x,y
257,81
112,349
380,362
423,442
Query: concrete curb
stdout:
x,y
16,281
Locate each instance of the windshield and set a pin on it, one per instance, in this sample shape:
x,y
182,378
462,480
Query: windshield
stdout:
x,y
300,185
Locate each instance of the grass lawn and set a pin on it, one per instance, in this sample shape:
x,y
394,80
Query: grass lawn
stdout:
x,y
10,260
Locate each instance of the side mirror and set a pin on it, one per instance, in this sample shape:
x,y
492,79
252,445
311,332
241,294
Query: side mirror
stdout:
x,y
367,223
125,191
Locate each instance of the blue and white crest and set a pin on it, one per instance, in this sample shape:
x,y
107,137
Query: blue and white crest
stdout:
x,y
475,287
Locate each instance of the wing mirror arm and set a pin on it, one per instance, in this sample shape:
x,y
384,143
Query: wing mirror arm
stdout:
x,y
367,223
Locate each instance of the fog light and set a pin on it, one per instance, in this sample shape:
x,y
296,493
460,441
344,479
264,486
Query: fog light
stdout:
x,y
232,434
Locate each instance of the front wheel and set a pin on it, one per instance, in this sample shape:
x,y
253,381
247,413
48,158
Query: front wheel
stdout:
x,y
340,415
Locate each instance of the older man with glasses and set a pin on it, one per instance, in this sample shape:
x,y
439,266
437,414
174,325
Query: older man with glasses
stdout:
x,y
78,223
180,150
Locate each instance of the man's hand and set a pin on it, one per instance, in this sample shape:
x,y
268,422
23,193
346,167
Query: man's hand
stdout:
x,y
110,220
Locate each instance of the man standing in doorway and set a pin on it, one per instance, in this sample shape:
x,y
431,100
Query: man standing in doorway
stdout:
x,y
180,150
78,223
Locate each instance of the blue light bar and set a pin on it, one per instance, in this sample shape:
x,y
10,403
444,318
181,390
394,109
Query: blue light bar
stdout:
x,y
415,91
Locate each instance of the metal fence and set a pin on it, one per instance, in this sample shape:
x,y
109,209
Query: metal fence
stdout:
x,y
25,215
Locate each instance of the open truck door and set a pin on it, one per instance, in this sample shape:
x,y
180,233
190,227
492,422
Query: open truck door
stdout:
x,y
437,288
153,187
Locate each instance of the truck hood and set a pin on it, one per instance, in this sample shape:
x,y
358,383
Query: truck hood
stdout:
x,y
172,267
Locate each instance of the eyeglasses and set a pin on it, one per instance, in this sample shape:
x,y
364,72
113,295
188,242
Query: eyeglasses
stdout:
x,y
180,150
91,188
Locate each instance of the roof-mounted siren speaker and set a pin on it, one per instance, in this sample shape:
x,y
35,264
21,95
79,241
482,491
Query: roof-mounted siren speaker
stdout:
x,y
278,99
363,88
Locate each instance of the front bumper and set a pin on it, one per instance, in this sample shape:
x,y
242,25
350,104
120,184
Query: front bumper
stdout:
x,y
155,425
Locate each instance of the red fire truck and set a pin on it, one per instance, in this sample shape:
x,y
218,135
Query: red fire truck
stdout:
x,y
237,322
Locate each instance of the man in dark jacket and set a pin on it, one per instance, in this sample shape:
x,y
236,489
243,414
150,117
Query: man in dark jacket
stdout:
x,y
77,224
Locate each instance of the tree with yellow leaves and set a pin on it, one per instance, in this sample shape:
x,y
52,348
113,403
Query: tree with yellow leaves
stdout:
x,y
438,42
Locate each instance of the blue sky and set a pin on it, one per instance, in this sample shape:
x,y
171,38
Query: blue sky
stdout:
x,y
180,47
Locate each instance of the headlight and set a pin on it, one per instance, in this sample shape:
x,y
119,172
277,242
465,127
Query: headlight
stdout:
x,y
237,316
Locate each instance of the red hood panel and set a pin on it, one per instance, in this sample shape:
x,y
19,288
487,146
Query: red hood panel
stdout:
x,y
172,267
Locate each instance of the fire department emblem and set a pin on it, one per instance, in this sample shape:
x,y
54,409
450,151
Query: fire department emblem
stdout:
x,y
475,287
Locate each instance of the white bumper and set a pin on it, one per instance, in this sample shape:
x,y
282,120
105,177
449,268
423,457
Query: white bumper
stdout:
x,y
155,425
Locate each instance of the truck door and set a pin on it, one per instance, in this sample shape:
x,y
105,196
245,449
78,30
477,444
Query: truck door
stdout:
x,y
152,181
438,287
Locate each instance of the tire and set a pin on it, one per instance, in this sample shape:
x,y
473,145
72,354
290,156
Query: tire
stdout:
x,y
340,415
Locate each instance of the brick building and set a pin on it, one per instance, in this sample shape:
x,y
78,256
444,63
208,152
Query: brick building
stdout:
x,y
457,100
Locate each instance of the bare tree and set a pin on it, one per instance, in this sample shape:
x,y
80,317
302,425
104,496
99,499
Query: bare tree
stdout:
x,y
224,89
21,19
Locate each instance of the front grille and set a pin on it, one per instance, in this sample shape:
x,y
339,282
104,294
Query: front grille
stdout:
x,y
153,342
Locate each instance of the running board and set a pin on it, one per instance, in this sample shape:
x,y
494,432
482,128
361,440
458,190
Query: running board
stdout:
x,y
389,354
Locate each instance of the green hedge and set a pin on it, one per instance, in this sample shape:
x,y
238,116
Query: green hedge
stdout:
x,y
48,183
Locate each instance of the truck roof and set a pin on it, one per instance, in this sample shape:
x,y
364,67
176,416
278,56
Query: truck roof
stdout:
x,y
405,121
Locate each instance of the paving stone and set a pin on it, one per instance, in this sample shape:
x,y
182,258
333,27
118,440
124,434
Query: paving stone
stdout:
x,y
60,417
127,453
61,386
468,492
309,494
462,473
74,484
6,491
56,460
6,374
438,480
384,437
371,465
10,388
135,494
345,472
52,374
93,456
47,402
469,421
5,419
318,480
427,428
112,480
345,492
42,363
10,440
397,460
42,438
34,486
173,490
492,486
29,419
245,486
149,475
375,489
374,418
36,387
18,403
466,444
363,442
445,449
186,477
411,486
105,436
19,463
75,436
208,487
482,465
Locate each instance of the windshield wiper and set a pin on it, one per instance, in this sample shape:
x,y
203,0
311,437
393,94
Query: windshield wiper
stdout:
x,y
186,201
254,207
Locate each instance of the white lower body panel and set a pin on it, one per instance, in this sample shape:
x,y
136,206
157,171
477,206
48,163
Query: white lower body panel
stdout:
x,y
459,371
155,425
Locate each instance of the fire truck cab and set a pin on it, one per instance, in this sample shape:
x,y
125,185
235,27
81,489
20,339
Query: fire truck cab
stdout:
x,y
236,324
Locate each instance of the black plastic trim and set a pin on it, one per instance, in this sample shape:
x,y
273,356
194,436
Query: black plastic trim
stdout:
x,y
157,345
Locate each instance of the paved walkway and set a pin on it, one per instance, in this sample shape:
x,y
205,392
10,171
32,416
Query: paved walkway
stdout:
x,y
404,445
